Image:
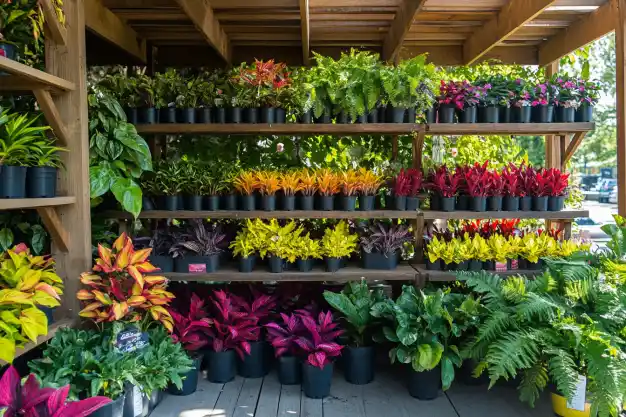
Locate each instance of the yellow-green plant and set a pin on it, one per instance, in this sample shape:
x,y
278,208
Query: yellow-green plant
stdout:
x,y
243,244
338,242
463,249
448,255
308,248
370,181
273,239
480,250
515,243
500,248
435,249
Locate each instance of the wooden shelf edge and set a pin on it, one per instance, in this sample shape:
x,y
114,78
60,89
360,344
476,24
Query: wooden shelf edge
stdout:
x,y
450,276
459,215
257,214
33,203
33,77
508,128
52,330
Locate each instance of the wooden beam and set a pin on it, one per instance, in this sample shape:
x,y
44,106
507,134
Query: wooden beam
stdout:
x,y
512,17
400,27
581,32
55,28
571,148
553,151
107,25
620,80
29,203
203,17
306,31
55,227
32,76
50,111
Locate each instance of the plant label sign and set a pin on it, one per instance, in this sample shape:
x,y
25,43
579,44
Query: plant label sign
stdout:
x,y
577,402
137,402
197,268
130,339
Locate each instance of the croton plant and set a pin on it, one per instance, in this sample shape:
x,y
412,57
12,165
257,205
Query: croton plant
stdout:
x,y
119,290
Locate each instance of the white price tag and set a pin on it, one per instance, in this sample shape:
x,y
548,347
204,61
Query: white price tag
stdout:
x,y
137,402
577,402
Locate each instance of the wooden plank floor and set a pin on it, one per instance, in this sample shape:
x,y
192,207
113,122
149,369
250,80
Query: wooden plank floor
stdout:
x,y
385,397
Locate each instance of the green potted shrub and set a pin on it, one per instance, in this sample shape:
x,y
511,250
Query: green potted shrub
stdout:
x,y
187,100
300,99
168,182
355,303
321,78
206,91
21,26
338,243
167,86
146,89
198,250
41,175
307,250
214,184
193,184
382,245
243,247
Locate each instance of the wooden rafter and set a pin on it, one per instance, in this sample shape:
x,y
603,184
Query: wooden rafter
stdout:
x,y
304,23
56,29
106,24
581,32
54,225
50,111
511,18
400,27
572,147
203,17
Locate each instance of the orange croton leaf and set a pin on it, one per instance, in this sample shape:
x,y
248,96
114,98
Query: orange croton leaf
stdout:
x,y
105,254
146,267
85,295
123,256
136,300
88,314
155,314
118,311
168,325
88,278
120,242
48,289
103,298
92,306
155,279
136,290
140,256
132,271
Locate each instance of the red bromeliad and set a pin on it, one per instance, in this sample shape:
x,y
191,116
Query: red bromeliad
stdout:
x,y
526,180
541,184
417,179
556,182
319,339
283,336
192,330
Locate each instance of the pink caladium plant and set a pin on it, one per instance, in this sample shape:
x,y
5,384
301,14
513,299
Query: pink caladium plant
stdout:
x,y
32,401
192,330
319,339
460,94
282,335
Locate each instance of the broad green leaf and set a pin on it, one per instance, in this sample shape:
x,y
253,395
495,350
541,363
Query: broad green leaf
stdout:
x,y
6,239
7,350
99,180
390,334
406,335
129,194
342,304
447,373
425,357
34,323
38,240
403,355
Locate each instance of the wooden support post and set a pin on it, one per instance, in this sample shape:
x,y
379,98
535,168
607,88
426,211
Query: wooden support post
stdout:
x,y
418,149
394,148
620,58
553,154
69,63
55,227
53,27
50,111
569,151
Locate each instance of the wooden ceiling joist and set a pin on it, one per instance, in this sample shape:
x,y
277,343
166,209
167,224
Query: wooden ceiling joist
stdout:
x,y
587,29
400,27
306,31
203,17
511,18
107,25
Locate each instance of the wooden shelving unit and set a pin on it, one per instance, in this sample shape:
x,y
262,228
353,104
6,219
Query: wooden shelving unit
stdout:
x,y
296,214
52,330
33,203
25,78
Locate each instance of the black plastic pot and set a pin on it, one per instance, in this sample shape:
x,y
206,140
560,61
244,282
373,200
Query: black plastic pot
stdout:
x,y
281,116
252,115
399,202
489,265
332,264
478,203
306,118
247,264
327,202
510,203
112,409
219,115
189,263
190,381
304,265
489,114
148,115
362,119
187,116
315,381
288,202
505,114
397,114
522,114
289,370
254,365
358,364
132,116
448,267
372,116
147,204
276,264
164,263
446,203
193,202
543,114
466,374
446,113
565,114
494,203
467,115
433,266
534,266
12,181
212,202
348,202
410,116
222,366
306,202
412,203
379,261
49,312
324,118
268,202
203,115
268,115
168,202
382,114
425,385
234,114
167,115
584,113
525,203
462,202
228,202
366,202
463,266
247,202
540,203
342,118
556,203
41,182
430,115
475,265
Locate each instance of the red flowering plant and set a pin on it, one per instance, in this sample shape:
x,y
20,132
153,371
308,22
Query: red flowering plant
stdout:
x,y
460,171
541,184
477,179
444,182
495,184
511,180
29,400
526,176
506,227
402,184
417,180
283,334
318,340
118,290
191,330
460,94
268,80
557,182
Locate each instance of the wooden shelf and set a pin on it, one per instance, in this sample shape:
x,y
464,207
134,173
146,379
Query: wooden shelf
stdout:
x,y
447,276
29,78
404,272
507,128
296,214
52,330
33,203
459,215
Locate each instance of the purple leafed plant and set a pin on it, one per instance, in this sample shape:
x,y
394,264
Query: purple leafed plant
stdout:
x,y
319,339
258,305
32,401
192,330
385,239
201,240
283,336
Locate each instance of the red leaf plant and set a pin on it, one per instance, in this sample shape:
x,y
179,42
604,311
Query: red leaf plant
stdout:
x,y
556,182
192,330
319,339
495,184
417,179
506,227
511,179
527,177
32,401
232,327
283,336
444,182
261,307
402,183
477,179
541,185
556,234
460,172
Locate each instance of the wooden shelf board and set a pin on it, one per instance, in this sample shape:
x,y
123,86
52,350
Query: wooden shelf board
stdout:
x,y
31,203
404,272
507,128
447,276
296,214
31,78
52,330
552,215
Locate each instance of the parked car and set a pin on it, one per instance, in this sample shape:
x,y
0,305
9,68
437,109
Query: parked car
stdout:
x,y
589,228
605,189
613,196
589,182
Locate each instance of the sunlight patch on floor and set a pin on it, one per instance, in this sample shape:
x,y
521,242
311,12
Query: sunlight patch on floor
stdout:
x,y
203,412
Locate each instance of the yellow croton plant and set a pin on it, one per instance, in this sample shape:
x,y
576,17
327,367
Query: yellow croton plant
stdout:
x,y
119,290
26,282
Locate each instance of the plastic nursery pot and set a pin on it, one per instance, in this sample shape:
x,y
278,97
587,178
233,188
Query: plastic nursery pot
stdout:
x,y
556,203
446,203
399,202
412,203
433,266
132,116
151,402
268,115
410,116
203,115
169,202
324,118
234,115
187,116
522,114
478,203
366,202
380,261
348,202
542,114
358,364
147,204
534,266
489,265
462,202
164,263
342,118
466,374
49,312
467,115
219,115
512,264
41,182
212,202
147,115
494,203
525,203
8,51
474,265
505,114
327,202
268,202
315,381
276,264
247,202
281,116
288,202
332,264
448,267
167,115
561,409
306,118
305,265
222,366
565,114
435,202
228,202
425,385
489,114
289,370
446,113
397,114
361,119
254,365
112,409
193,202
247,264
372,116
510,203
430,115
540,203
306,202
252,115
129,405
584,113
197,264
190,380
12,181
382,114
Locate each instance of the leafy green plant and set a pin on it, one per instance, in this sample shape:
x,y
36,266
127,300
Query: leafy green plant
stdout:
x,y
169,177
167,86
243,245
24,227
409,84
338,242
48,155
188,93
19,139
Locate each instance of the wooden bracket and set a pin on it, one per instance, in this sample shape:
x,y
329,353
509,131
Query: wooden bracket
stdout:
x,y
49,109
571,148
53,224
55,28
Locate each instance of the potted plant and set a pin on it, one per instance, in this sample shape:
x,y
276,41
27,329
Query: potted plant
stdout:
x,y
479,252
224,179
510,191
308,250
477,178
246,184
417,179
268,183
41,175
283,335
318,343
355,303
495,191
434,253
444,184
166,88
370,183
542,98
168,182
146,90
520,99
492,93
401,188
290,184
308,188
212,183
244,248
327,186
276,241
337,243
566,98
526,188
21,26
350,185
540,190
160,243
187,100
588,93
500,250
557,183
460,97
382,245
198,250
206,91
193,183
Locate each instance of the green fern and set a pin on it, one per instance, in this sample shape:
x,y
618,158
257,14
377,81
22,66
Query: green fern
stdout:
x,y
534,381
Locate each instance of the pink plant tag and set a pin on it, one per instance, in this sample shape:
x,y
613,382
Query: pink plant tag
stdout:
x,y
197,268
514,264
501,266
